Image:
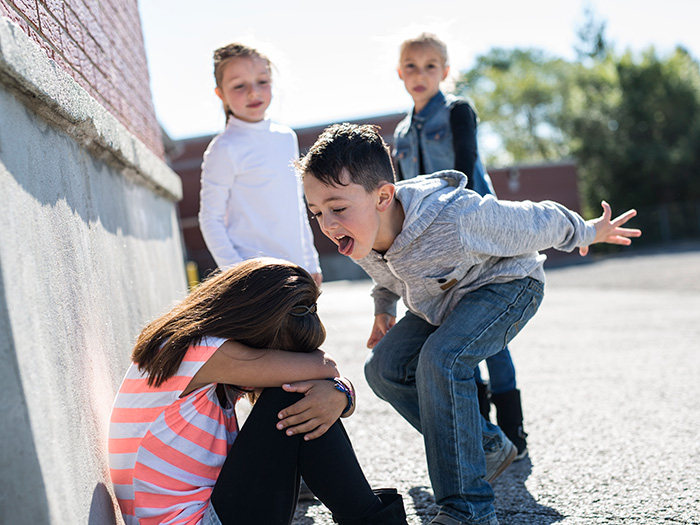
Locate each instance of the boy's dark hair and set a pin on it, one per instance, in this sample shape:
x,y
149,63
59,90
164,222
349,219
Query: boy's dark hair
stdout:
x,y
359,149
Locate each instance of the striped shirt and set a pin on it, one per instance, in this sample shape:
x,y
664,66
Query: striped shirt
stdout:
x,y
166,452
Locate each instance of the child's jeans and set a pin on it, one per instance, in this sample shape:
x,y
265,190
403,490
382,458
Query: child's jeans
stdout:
x,y
426,372
501,372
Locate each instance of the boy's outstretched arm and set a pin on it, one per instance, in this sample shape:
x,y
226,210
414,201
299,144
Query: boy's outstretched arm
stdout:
x,y
610,231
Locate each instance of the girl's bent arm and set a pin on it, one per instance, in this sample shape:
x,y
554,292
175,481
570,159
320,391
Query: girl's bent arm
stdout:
x,y
237,364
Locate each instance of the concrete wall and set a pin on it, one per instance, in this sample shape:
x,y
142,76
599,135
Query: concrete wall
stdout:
x,y
89,250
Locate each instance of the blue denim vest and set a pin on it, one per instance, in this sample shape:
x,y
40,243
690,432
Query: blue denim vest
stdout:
x,y
430,129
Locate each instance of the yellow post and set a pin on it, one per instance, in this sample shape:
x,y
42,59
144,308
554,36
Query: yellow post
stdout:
x,y
192,274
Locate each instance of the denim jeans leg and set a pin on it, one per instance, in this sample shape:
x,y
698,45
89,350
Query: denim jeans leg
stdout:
x,y
501,372
390,368
481,324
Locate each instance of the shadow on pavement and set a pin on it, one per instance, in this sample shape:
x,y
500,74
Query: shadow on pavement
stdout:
x,y
514,503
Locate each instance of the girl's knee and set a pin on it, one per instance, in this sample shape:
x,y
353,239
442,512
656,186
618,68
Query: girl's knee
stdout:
x,y
276,398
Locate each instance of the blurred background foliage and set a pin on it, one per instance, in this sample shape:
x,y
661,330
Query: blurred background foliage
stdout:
x,y
631,122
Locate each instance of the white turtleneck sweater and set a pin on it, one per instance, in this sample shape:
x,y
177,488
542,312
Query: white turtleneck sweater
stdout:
x,y
252,201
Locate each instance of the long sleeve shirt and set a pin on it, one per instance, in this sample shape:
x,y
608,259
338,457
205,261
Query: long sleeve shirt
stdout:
x,y
252,201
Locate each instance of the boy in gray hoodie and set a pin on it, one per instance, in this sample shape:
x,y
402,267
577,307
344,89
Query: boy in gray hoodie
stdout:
x,y
468,270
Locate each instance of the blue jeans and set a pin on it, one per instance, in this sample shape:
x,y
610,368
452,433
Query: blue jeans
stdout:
x,y
426,373
501,372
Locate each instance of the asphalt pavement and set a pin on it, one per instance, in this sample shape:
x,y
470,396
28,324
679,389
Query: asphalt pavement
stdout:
x,y
609,371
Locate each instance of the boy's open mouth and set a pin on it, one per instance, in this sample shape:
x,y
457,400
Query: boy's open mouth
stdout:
x,y
345,244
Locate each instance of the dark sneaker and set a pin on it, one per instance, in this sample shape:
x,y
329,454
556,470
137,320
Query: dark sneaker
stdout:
x,y
522,454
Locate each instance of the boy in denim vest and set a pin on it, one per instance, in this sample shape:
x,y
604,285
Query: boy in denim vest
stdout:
x,y
440,134
469,272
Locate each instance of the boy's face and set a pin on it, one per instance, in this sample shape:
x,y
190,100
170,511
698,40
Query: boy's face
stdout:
x,y
422,69
348,215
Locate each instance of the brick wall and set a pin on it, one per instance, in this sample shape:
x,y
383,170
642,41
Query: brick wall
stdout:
x,y
100,44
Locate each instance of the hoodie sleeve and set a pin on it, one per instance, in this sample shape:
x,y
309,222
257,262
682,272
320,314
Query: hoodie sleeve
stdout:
x,y
508,229
384,300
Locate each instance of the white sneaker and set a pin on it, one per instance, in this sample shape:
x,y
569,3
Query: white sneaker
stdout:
x,y
497,460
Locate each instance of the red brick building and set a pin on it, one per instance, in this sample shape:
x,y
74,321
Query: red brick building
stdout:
x,y
100,45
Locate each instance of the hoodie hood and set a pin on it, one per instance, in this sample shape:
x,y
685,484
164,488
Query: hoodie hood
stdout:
x,y
423,198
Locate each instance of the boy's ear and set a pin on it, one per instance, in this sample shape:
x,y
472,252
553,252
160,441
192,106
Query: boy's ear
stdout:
x,y
219,94
447,70
398,70
385,196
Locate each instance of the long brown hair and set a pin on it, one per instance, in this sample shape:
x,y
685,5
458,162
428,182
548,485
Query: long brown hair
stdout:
x,y
254,303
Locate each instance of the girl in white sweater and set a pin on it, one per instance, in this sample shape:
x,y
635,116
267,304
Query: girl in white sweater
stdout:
x,y
251,201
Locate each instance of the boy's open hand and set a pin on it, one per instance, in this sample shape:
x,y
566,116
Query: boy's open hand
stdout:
x,y
382,323
610,231
321,407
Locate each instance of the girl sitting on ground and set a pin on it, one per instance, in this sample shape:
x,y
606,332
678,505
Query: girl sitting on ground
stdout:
x,y
176,452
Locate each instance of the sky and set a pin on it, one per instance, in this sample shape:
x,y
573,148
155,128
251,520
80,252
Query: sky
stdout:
x,y
336,61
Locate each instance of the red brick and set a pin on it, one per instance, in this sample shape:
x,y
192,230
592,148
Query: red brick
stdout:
x,y
97,31
91,49
73,26
72,52
29,9
55,7
87,68
49,27
19,19
102,84
81,12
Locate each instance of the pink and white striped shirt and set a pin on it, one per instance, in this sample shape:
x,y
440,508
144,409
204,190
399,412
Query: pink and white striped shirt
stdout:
x,y
166,451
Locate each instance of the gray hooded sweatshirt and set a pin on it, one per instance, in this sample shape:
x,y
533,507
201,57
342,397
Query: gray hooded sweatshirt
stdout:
x,y
454,241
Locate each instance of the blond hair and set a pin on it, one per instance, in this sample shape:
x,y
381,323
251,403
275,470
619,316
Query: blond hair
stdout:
x,y
426,40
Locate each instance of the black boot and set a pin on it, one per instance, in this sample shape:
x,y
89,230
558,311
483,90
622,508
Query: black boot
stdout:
x,y
482,392
391,513
509,414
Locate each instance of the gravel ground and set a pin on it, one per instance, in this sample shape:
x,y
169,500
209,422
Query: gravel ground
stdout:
x,y
609,371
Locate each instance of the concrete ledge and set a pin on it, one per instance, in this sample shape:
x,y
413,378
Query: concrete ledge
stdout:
x,y
50,92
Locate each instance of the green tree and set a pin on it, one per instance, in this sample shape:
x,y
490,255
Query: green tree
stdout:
x,y
632,122
635,129
520,97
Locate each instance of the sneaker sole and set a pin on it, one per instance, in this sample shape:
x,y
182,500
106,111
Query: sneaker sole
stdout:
x,y
522,455
511,457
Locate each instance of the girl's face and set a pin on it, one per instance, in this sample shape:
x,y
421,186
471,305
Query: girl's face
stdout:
x,y
246,88
422,69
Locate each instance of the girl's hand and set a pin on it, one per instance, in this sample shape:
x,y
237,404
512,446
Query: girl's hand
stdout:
x,y
382,324
318,278
313,416
609,231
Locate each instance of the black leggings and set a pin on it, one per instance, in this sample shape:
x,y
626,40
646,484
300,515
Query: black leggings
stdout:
x,y
259,481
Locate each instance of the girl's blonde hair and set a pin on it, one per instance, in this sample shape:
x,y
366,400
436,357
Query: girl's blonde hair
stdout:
x,y
262,303
225,54
426,40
